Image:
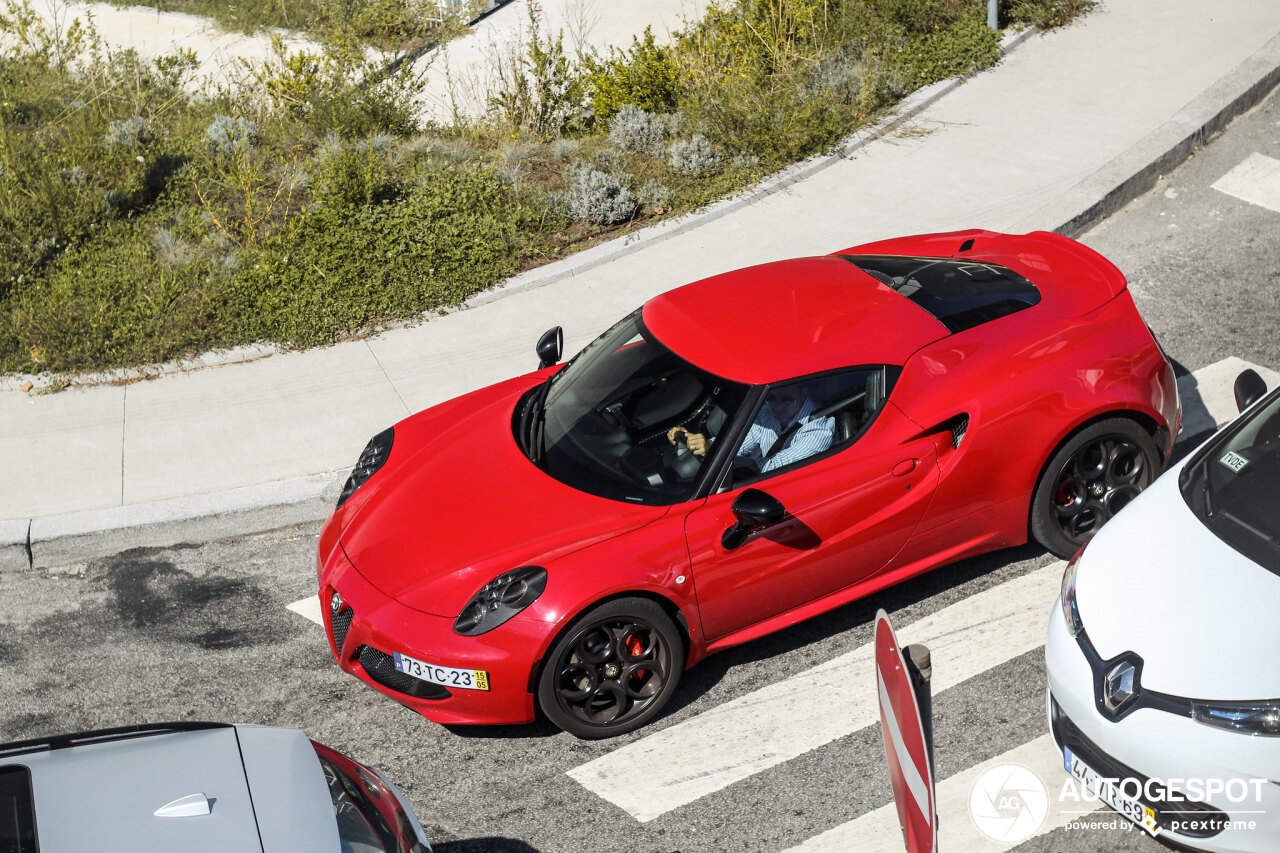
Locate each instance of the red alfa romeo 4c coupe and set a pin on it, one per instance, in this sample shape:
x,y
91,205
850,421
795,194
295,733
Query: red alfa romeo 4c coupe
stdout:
x,y
737,455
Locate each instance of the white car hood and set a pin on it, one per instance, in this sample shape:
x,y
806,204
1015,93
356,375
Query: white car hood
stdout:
x,y
1204,619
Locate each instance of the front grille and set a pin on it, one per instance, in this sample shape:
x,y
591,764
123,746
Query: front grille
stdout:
x,y
1196,820
382,669
341,621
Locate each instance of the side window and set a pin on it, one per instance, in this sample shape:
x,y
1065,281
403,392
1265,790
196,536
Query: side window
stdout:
x,y
808,419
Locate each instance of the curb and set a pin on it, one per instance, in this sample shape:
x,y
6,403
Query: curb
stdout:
x,y
59,540
76,537
1137,170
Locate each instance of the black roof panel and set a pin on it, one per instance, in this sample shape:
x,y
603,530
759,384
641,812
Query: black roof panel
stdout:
x,y
960,293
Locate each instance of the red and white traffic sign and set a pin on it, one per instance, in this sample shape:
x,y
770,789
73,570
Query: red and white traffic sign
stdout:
x,y
905,743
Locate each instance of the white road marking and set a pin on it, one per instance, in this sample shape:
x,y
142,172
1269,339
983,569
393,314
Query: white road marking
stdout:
x,y
1255,180
1208,394
956,830
728,743
308,608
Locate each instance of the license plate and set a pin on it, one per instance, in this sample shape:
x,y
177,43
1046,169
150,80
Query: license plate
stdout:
x,y
466,679
1107,791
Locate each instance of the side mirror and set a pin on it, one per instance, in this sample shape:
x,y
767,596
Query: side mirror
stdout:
x,y
1249,389
753,509
550,346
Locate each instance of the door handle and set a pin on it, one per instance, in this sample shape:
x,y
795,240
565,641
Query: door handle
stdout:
x,y
905,467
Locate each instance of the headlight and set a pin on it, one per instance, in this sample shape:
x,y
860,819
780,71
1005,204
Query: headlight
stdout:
x,y
500,599
1070,610
1249,718
373,457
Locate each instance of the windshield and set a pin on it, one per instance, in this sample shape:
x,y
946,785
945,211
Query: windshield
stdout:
x,y
1234,485
362,827
617,419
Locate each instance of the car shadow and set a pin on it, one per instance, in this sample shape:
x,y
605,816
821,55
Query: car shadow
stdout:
x,y
484,845
540,727
861,613
791,532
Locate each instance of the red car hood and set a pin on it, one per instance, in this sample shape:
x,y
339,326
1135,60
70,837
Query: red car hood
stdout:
x,y
458,504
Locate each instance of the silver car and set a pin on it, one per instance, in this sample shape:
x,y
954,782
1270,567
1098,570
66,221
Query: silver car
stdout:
x,y
194,787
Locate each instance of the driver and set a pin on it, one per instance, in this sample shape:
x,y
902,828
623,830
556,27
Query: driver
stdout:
x,y
786,413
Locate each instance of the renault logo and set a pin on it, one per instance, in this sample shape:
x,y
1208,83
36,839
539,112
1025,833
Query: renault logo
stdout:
x,y
1120,686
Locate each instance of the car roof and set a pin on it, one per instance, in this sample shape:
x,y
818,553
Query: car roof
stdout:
x,y
102,793
789,318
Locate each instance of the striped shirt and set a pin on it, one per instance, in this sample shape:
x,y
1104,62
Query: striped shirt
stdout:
x,y
812,436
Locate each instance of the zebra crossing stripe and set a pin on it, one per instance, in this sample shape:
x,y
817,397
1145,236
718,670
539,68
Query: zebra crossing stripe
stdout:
x,y
1208,394
1256,179
308,608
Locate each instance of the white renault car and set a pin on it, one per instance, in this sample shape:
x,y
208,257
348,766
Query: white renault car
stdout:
x,y
1163,652
193,787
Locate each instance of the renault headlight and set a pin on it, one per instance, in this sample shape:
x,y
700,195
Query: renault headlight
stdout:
x,y
1070,610
500,599
373,457
1248,718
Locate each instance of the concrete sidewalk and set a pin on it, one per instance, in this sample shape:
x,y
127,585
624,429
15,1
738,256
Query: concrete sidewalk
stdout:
x,y
1069,126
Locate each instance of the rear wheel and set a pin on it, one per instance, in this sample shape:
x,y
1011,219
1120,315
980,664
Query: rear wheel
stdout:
x,y
1090,478
613,670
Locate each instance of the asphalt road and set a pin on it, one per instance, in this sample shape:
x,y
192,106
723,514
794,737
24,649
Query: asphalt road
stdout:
x,y
201,631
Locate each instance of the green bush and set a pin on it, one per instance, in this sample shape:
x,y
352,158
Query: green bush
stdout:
x,y
927,16
342,268
966,45
539,90
1047,13
645,76
80,150
339,90
109,303
353,176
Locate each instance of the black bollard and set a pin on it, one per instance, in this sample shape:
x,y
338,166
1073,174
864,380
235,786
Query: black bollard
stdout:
x,y
921,668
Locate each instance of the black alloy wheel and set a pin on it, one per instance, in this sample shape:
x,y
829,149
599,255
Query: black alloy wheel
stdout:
x,y
1092,476
613,669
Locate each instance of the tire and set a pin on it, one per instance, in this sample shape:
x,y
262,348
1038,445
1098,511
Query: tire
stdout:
x,y
1091,477
612,670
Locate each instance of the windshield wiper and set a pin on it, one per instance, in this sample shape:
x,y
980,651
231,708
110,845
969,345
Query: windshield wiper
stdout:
x,y
1269,538
532,426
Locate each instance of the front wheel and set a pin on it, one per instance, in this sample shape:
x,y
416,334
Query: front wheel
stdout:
x,y
1090,478
613,670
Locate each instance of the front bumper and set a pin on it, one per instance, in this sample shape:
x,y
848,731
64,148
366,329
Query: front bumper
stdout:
x,y
370,626
1154,744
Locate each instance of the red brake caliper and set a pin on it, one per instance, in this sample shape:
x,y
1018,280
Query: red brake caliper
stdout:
x,y
635,647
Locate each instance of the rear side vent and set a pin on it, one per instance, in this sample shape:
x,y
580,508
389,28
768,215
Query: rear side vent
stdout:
x,y
959,426
966,245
